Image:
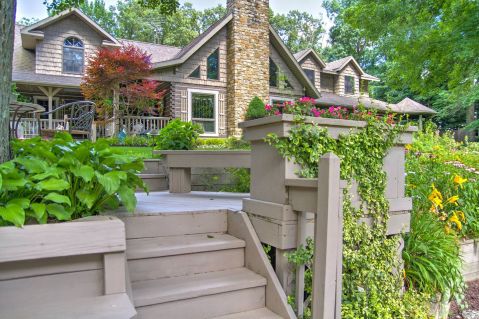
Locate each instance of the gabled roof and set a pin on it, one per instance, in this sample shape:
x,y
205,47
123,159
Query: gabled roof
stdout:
x,y
301,55
33,32
409,106
292,63
196,44
338,65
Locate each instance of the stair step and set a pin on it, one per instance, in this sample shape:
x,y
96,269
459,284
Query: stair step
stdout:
x,y
177,245
174,224
262,313
165,290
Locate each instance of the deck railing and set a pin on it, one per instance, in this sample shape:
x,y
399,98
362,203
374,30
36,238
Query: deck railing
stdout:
x,y
133,124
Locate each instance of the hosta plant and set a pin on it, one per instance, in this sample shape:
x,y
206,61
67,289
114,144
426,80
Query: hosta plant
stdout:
x,y
63,179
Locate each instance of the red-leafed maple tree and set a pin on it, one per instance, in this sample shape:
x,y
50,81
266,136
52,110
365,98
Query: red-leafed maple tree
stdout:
x,y
143,98
111,71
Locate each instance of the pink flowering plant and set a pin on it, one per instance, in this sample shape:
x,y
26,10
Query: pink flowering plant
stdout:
x,y
306,106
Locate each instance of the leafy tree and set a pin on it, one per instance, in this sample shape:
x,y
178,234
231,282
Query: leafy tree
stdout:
x,y
431,46
56,6
298,30
110,69
105,17
27,21
7,26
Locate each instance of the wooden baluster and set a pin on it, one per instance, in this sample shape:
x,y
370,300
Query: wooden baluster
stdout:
x,y
327,240
301,241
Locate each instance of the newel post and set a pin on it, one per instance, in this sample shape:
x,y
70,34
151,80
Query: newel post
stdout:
x,y
327,267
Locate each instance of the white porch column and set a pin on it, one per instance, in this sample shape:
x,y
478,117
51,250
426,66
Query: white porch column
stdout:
x,y
50,94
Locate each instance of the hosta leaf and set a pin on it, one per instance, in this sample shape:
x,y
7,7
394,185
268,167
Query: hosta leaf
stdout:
x,y
87,198
52,184
1,181
59,199
22,202
49,172
7,167
14,214
58,211
128,198
13,184
110,181
85,172
39,209
32,165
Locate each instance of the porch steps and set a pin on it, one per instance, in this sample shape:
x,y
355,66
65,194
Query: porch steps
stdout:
x,y
186,266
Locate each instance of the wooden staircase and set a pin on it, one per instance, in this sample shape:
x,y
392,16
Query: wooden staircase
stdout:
x,y
198,266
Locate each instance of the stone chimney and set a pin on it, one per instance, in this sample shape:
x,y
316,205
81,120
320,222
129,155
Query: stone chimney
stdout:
x,y
247,58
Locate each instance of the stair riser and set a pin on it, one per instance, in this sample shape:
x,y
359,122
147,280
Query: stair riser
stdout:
x,y
175,224
181,265
206,306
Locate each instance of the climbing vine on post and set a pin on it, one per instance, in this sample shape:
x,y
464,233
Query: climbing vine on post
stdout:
x,y
372,282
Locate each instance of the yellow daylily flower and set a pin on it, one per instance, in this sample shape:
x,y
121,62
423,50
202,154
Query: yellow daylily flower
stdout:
x,y
408,147
459,180
454,219
461,215
452,200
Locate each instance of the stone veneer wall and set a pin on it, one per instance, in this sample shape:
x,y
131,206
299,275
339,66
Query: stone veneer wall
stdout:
x,y
247,58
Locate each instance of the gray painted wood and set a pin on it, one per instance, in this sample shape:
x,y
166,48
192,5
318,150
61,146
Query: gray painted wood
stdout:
x,y
114,273
58,240
300,269
327,238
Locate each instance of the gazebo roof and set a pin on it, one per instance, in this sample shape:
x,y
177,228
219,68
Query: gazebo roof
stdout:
x,y
409,106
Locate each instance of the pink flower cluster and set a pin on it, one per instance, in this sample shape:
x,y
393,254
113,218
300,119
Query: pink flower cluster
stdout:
x,y
307,99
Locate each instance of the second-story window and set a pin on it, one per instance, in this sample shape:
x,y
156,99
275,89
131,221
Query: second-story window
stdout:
x,y
213,66
349,85
73,56
273,73
310,74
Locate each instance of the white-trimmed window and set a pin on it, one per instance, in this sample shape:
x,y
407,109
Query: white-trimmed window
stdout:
x,y
73,56
349,85
203,110
275,100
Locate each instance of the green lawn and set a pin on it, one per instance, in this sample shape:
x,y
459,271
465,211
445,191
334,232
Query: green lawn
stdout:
x,y
141,152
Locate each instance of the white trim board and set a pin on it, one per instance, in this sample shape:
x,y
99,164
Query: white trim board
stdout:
x,y
216,113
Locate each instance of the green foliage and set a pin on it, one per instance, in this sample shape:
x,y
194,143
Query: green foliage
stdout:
x,y
371,283
431,257
255,109
178,135
132,140
241,179
230,143
63,180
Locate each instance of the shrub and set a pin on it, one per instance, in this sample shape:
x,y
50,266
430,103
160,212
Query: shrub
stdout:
x,y
230,143
63,179
178,135
241,180
256,109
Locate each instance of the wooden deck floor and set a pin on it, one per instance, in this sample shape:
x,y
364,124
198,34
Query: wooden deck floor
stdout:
x,y
164,202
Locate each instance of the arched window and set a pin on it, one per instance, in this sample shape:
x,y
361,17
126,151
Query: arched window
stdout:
x,y
73,56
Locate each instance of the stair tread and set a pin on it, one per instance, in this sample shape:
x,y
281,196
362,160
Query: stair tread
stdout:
x,y
151,292
262,313
151,175
176,245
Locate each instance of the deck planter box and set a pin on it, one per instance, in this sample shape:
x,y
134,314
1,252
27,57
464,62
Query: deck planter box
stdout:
x,y
64,268
268,206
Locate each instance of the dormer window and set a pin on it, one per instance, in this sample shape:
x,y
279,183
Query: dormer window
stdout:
x,y
349,85
310,74
73,56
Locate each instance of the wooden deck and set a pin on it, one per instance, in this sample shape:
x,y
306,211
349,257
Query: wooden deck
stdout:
x,y
165,202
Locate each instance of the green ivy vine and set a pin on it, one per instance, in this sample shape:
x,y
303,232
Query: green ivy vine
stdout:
x,y
372,284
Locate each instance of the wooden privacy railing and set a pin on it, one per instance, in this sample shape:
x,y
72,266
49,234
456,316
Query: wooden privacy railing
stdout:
x,y
327,263
137,124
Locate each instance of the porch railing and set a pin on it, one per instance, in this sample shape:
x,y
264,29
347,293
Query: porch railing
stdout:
x,y
133,125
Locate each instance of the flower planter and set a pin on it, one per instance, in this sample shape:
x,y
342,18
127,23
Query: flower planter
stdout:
x,y
470,257
269,207
55,266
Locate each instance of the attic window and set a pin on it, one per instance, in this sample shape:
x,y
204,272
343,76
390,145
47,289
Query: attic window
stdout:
x,y
212,66
310,74
73,56
273,73
349,85
196,73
